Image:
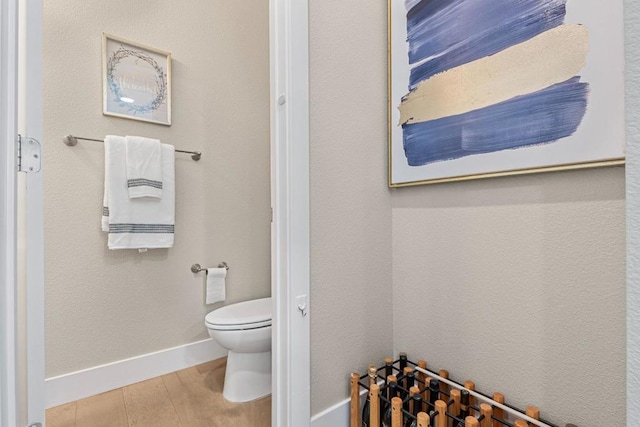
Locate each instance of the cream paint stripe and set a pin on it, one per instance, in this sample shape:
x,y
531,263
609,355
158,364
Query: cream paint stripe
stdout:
x,y
549,58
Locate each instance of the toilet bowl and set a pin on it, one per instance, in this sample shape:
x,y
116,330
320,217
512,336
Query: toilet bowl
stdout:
x,y
244,329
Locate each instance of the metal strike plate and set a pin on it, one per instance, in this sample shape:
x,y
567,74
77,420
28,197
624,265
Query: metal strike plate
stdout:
x,y
302,304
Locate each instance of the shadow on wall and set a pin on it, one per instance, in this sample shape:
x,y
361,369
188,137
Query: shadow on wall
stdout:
x,y
540,188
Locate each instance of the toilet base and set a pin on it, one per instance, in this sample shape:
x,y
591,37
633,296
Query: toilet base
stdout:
x,y
247,377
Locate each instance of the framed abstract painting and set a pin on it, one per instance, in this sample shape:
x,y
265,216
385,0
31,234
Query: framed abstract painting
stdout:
x,y
483,88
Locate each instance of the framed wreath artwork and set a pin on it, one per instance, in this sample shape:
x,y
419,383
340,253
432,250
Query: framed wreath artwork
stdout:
x,y
136,81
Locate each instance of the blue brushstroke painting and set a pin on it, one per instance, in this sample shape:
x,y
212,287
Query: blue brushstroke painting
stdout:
x,y
443,34
538,118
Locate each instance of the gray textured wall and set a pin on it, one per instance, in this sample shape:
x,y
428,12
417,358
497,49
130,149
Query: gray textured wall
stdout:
x,y
350,204
632,31
101,305
548,250
518,283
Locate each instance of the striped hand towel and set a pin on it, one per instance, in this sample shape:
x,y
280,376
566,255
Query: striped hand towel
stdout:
x,y
144,167
141,223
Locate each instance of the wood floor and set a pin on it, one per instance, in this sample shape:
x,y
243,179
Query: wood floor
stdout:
x,y
187,398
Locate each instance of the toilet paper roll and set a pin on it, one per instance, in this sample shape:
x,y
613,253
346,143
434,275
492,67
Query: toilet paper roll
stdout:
x,y
216,284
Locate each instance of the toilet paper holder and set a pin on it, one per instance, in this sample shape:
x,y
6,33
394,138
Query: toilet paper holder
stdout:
x,y
196,268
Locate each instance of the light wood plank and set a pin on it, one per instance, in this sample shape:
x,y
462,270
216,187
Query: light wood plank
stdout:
x,y
214,365
104,410
62,416
148,405
199,402
213,374
194,403
256,413
188,398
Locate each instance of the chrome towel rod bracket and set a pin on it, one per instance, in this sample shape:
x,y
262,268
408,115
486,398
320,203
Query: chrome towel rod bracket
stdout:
x,y
196,268
72,141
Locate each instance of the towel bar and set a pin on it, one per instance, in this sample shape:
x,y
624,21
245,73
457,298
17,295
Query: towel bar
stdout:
x,y
72,141
196,268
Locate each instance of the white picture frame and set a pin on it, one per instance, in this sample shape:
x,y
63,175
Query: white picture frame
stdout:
x,y
136,81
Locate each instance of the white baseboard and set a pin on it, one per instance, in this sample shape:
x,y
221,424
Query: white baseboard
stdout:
x,y
336,415
89,382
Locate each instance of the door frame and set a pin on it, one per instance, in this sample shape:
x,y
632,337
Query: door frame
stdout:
x,y
22,276
9,410
290,246
290,201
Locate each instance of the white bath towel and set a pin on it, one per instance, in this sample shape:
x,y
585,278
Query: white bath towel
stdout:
x,y
144,167
105,198
216,284
142,223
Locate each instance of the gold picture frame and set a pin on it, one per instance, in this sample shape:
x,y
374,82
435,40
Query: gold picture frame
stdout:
x,y
136,81
604,119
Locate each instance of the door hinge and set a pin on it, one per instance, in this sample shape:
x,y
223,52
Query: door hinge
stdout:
x,y
29,154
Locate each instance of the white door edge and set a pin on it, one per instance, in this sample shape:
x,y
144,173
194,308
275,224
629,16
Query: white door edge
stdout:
x,y
8,125
289,50
31,113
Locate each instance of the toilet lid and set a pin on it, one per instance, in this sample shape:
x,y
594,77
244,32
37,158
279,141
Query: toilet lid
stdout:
x,y
254,313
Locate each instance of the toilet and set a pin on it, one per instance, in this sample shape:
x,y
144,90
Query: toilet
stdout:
x,y
244,329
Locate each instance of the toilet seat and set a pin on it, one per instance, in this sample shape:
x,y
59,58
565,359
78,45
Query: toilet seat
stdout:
x,y
241,327
245,315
